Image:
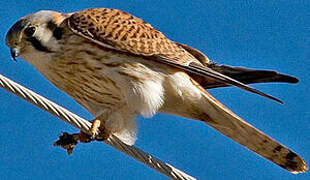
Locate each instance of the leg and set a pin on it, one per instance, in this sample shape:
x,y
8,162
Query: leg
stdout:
x,y
98,125
95,126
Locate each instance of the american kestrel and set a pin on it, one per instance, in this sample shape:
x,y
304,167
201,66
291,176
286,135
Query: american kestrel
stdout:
x,y
117,67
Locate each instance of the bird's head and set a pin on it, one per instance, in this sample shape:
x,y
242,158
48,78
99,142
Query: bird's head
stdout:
x,y
35,35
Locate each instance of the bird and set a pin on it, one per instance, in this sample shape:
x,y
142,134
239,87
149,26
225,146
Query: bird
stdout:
x,y
118,66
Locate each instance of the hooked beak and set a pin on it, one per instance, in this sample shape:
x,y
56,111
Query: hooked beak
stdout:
x,y
15,53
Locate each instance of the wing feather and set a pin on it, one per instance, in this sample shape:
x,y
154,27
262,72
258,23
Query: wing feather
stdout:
x,y
121,31
246,76
117,30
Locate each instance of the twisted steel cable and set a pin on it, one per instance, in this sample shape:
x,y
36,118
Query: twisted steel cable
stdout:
x,y
85,126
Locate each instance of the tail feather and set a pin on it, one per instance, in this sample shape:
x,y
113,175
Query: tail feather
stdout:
x,y
225,121
246,76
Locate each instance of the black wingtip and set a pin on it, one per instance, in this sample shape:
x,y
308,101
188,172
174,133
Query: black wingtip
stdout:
x,y
278,77
228,80
275,99
249,76
290,79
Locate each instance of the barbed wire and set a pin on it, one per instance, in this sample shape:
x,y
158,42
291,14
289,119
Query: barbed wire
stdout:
x,y
85,126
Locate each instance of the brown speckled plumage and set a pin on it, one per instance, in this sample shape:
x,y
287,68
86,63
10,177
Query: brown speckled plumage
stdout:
x,y
126,33
117,66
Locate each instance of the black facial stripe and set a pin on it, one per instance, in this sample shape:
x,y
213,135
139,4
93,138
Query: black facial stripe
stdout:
x,y
51,25
37,45
29,31
57,31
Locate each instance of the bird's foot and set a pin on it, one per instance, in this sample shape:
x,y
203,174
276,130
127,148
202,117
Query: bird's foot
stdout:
x,y
97,133
69,141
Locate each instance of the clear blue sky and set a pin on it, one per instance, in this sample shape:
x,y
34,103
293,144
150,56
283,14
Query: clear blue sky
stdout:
x,y
260,34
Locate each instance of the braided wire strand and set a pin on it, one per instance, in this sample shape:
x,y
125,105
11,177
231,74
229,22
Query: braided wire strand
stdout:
x,y
85,126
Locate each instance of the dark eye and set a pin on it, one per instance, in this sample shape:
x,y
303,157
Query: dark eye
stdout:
x,y
29,31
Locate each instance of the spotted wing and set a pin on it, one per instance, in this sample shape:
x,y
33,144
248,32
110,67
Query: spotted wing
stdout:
x,y
117,30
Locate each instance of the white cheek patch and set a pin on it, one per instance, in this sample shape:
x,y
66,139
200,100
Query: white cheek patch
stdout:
x,y
43,34
46,38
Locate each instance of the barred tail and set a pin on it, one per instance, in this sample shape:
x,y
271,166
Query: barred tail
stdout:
x,y
213,113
